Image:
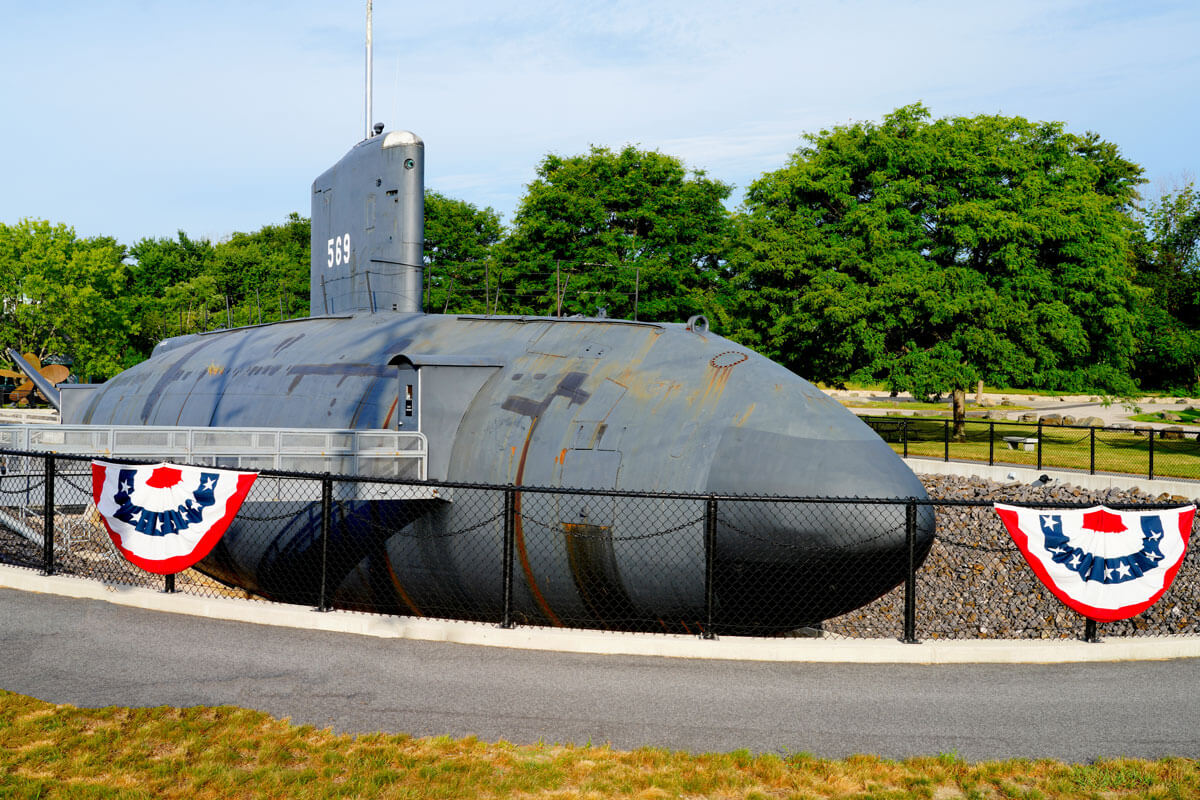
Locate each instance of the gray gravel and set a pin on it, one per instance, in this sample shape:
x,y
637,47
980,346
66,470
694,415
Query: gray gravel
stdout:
x,y
975,583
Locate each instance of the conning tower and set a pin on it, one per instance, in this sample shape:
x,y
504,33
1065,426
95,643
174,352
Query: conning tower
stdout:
x,y
368,228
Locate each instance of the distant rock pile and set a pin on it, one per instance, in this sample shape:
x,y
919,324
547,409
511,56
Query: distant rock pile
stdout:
x,y
975,583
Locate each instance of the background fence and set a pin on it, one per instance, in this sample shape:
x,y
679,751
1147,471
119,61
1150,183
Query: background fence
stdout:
x,y
700,564
1156,453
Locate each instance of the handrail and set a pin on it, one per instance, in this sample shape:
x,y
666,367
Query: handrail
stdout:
x,y
368,453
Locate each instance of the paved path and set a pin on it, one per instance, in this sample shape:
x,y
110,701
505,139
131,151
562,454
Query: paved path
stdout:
x,y
92,653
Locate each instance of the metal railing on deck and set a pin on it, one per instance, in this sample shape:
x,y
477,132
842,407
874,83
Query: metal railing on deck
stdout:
x,y
370,454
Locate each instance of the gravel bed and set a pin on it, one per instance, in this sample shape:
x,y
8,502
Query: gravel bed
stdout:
x,y
975,583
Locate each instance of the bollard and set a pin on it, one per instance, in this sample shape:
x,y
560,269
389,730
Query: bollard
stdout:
x,y
326,524
510,536
1039,466
1089,632
1150,471
946,438
910,580
48,518
710,553
991,444
1092,447
169,584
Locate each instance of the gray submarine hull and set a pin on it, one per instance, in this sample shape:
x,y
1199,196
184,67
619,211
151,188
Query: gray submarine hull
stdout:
x,y
549,402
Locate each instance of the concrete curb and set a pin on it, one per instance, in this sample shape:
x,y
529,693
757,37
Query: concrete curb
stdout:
x,y
858,651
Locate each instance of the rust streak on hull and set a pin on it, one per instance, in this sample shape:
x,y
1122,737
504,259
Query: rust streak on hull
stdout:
x,y
519,535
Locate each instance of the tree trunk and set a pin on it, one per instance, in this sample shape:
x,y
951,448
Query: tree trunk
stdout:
x,y
960,414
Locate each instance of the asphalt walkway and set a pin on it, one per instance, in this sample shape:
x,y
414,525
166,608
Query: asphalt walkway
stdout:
x,y
92,653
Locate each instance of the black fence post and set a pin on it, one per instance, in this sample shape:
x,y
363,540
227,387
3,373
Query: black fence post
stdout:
x,y
710,557
169,584
510,537
991,444
946,438
48,518
910,580
1089,632
1092,446
1150,471
326,524
1039,435
904,434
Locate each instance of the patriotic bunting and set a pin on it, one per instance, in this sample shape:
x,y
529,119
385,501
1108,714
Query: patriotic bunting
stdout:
x,y
1105,564
164,518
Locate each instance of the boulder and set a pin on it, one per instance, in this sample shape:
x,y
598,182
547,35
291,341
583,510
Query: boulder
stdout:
x,y
1051,419
1174,432
1068,420
1030,417
1092,422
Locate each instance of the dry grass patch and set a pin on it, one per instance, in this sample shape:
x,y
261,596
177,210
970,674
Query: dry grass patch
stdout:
x,y
49,751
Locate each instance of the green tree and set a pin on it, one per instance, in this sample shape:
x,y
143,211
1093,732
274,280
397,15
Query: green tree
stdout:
x,y
459,238
63,295
158,267
630,231
1168,265
932,254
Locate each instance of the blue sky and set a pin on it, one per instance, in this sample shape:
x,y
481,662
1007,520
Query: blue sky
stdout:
x,y
136,119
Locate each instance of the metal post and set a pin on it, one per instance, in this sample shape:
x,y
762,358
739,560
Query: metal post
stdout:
x,y
326,524
1089,632
1150,471
910,580
1092,447
904,434
710,558
946,438
48,518
1039,466
510,537
991,444
169,584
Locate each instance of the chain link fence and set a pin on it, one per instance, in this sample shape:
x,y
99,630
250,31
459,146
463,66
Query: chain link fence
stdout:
x,y
706,565
1133,450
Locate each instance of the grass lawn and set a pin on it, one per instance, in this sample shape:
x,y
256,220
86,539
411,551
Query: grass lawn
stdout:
x,y
59,751
1188,416
1062,448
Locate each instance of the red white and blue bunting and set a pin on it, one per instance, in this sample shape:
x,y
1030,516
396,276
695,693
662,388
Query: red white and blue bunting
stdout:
x,y
163,517
1105,564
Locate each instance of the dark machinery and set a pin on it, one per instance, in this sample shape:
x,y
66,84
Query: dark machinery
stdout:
x,y
580,403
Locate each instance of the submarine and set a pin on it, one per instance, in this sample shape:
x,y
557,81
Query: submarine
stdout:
x,y
576,403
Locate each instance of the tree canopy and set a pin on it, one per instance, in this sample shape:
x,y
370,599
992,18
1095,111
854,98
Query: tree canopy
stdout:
x,y
934,253
925,253
632,232
65,296
1168,265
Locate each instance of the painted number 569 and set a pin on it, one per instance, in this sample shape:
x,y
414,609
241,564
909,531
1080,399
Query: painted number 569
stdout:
x,y
338,250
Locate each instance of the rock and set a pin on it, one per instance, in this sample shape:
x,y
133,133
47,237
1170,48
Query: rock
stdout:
x,y
1093,399
1030,417
1051,419
1092,422
1173,432
1068,420
1170,417
1006,402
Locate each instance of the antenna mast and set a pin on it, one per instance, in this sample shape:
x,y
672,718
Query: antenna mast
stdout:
x,y
370,60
